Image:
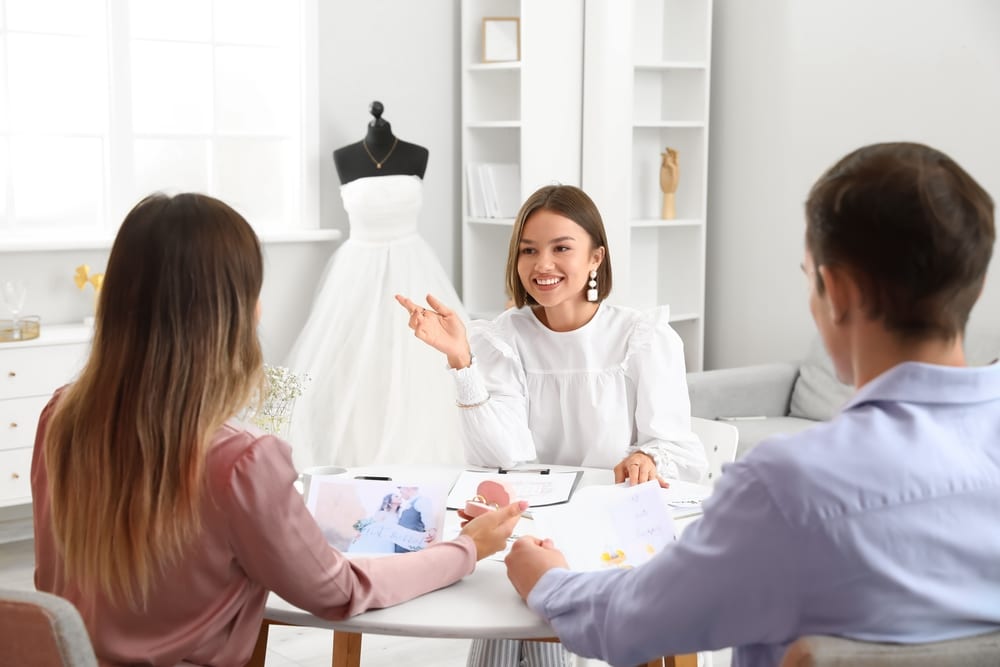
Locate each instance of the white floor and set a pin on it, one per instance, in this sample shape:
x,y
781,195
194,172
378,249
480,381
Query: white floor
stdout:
x,y
299,647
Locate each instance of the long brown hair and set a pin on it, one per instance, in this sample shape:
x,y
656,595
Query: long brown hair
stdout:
x,y
570,202
175,353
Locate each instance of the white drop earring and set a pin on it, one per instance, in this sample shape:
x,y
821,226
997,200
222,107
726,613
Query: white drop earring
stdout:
x,y
592,292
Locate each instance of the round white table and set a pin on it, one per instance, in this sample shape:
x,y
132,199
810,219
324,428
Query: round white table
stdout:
x,y
482,605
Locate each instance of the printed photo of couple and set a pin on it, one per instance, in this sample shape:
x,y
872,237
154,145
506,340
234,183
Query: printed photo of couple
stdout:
x,y
368,516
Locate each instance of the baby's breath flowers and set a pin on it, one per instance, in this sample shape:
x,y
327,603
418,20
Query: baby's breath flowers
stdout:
x,y
281,388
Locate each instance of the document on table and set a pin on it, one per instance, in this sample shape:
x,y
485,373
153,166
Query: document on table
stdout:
x,y
605,527
538,489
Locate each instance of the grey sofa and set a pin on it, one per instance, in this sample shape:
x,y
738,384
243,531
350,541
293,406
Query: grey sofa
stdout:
x,y
789,397
762,400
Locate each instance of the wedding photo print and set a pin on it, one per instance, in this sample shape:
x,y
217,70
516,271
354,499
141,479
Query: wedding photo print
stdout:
x,y
374,516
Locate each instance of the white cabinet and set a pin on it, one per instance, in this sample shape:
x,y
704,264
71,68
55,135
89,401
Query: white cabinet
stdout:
x,y
646,88
525,112
29,372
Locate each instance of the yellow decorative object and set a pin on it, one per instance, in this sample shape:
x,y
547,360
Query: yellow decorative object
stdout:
x,y
84,276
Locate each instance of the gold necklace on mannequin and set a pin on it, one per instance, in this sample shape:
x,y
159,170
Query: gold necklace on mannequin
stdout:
x,y
379,163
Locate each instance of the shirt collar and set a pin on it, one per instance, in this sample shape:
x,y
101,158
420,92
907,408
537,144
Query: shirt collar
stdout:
x,y
917,382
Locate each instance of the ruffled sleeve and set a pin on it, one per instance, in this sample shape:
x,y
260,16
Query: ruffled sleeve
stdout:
x,y
493,397
654,363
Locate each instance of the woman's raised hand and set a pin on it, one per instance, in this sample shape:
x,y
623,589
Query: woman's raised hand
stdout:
x,y
441,328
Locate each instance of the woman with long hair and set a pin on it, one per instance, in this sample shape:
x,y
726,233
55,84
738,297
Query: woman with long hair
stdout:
x,y
163,519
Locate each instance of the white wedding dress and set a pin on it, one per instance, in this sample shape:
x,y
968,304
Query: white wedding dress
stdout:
x,y
376,394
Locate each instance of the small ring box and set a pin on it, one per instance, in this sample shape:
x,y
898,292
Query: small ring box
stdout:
x,y
490,495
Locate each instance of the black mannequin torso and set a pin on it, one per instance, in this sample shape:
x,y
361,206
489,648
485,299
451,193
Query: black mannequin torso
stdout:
x,y
380,153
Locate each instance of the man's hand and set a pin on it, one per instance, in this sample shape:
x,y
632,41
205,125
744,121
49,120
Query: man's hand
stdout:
x,y
636,468
490,530
528,560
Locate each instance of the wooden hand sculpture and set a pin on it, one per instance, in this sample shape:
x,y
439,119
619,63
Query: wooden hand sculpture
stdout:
x,y
669,175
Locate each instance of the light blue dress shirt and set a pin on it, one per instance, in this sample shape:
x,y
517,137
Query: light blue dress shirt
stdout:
x,y
882,525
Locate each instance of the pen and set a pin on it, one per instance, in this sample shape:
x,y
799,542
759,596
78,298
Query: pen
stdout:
x,y
540,471
374,477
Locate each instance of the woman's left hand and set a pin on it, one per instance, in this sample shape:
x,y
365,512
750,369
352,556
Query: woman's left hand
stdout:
x,y
636,468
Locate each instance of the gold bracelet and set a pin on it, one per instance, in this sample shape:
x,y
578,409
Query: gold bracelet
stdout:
x,y
472,405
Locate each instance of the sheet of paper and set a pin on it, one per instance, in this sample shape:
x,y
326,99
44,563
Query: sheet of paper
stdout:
x,y
539,490
610,526
685,498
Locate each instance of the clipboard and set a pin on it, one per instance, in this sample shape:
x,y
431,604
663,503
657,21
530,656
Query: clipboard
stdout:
x,y
539,486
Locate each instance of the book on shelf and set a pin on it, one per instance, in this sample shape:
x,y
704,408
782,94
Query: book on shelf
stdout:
x,y
494,189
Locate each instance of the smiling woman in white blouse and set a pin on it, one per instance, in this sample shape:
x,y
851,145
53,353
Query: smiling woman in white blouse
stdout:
x,y
563,377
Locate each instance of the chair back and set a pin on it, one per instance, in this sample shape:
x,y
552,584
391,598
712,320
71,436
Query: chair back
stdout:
x,y
720,440
823,651
42,630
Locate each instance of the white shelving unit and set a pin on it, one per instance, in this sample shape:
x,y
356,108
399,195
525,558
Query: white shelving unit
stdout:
x,y
646,88
527,112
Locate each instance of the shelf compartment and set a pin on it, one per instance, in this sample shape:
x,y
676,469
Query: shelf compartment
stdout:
x,y
665,266
647,146
473,13
485,260
494,96
674,96
671,30
492,144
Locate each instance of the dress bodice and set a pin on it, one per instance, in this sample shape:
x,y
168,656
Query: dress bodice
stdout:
x,y
382,208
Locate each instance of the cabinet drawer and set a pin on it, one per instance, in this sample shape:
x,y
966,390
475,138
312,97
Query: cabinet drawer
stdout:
x,y
18,421
33,371
15,477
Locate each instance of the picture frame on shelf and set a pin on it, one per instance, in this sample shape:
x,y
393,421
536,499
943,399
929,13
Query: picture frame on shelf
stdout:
x,y
501,39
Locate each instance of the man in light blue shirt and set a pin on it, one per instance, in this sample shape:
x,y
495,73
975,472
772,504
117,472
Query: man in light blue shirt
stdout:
x,y
882,524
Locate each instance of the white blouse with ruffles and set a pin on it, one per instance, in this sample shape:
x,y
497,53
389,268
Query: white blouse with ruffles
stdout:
x,y
586,397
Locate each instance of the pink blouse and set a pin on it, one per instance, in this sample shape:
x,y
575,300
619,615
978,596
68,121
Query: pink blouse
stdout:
x,y
257,536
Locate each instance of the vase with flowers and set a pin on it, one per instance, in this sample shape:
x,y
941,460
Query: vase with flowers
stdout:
x,y
282,387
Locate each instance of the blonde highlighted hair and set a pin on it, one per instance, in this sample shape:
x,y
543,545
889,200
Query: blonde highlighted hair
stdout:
x,y
175,354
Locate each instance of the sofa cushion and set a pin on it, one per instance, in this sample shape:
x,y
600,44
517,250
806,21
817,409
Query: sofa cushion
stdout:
x,y
752,431
818,394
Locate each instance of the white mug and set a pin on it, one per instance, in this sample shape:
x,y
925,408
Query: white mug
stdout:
x,y
302,483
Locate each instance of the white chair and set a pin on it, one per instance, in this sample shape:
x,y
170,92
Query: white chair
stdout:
x,y
720,440
42,630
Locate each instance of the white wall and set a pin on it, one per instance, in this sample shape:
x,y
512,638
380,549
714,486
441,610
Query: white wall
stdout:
x,y
796,85
406,55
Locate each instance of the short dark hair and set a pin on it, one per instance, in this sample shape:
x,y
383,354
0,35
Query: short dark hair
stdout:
x,y
570,202
913,228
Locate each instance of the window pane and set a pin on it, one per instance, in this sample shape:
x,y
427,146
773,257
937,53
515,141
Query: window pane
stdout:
x,y
57,83
257,90
171,166
253,175
58,181
188,20
171,88
256,21
68,17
